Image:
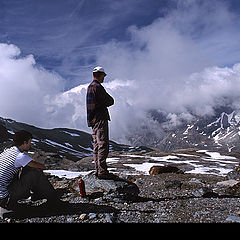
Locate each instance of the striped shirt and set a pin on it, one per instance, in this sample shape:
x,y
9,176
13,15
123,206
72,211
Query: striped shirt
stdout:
x,y
11,160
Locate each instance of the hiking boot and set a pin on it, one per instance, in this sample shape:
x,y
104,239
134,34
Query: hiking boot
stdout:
x,y
108,176
36,197
3,211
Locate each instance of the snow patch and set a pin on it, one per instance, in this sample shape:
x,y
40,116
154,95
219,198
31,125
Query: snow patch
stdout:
x,y
66,174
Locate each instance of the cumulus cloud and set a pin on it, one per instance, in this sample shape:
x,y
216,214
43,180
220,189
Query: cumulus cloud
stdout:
x,y
182,65
25,86
146,110
177,65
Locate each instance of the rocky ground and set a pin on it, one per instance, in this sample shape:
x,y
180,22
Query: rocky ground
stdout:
x,y
168,197
165,198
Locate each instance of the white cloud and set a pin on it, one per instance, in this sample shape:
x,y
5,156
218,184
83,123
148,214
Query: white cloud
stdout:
x,y
25,86
172,64
175,66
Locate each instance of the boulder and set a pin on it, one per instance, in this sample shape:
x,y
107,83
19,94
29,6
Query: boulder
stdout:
x,y
230,188
120,188
204,192
227,183
155,170
235,174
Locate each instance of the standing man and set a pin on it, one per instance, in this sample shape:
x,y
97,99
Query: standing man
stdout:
x,y
98,100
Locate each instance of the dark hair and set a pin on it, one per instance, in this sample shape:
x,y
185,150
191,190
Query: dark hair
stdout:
x,y
20,137
98,74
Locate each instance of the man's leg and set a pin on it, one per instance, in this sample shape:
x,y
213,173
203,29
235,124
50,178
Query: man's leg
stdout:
x,y
95,148
34,180
101,146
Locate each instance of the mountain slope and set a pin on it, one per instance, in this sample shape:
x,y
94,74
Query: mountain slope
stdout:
x,y
220,132
65,143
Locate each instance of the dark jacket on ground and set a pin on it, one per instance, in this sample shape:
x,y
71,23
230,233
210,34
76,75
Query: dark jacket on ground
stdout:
x,y
97,102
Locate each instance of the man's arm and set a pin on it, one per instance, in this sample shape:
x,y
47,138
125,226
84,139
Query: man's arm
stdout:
x,y
106,99
35,164
23,160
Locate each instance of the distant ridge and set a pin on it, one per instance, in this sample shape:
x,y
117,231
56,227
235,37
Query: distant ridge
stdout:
x,y
66,143
220,132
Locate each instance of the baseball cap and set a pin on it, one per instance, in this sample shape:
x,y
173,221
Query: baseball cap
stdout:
x,y
99,69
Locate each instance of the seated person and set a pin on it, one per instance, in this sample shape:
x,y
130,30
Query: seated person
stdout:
x,y
21,176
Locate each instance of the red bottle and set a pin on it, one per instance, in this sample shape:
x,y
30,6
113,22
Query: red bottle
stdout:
x,y
82,188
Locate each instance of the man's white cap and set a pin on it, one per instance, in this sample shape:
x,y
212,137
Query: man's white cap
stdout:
x,y
99,69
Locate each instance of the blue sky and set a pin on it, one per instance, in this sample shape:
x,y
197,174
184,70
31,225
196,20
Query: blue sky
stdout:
x,y
177,57
64,36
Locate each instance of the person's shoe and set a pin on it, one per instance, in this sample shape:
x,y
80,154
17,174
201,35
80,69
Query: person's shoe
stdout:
x,y
108,176
3,211
35,197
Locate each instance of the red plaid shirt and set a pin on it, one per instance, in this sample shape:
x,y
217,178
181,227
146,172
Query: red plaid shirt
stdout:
x,y
97,102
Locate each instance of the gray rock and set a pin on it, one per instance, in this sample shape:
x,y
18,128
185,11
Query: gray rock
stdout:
x,y
235,219
196,181
92,215
115,188
155,170
233,175
204,192
228,183
230,188
111,218
70,219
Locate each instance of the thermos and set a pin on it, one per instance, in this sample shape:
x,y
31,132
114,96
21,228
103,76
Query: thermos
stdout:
x,y
82,188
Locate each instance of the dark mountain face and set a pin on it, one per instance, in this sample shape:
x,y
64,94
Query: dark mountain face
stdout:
x,y
66,143
5,135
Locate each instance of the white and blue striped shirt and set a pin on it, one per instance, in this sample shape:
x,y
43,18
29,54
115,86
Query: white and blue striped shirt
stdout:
x,y
11,160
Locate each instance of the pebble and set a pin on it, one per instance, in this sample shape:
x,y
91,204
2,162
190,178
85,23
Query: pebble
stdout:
x,y
92,215
109,218
83,216
235,219
70,220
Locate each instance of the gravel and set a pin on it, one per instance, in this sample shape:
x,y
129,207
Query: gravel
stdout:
x,y
162,199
